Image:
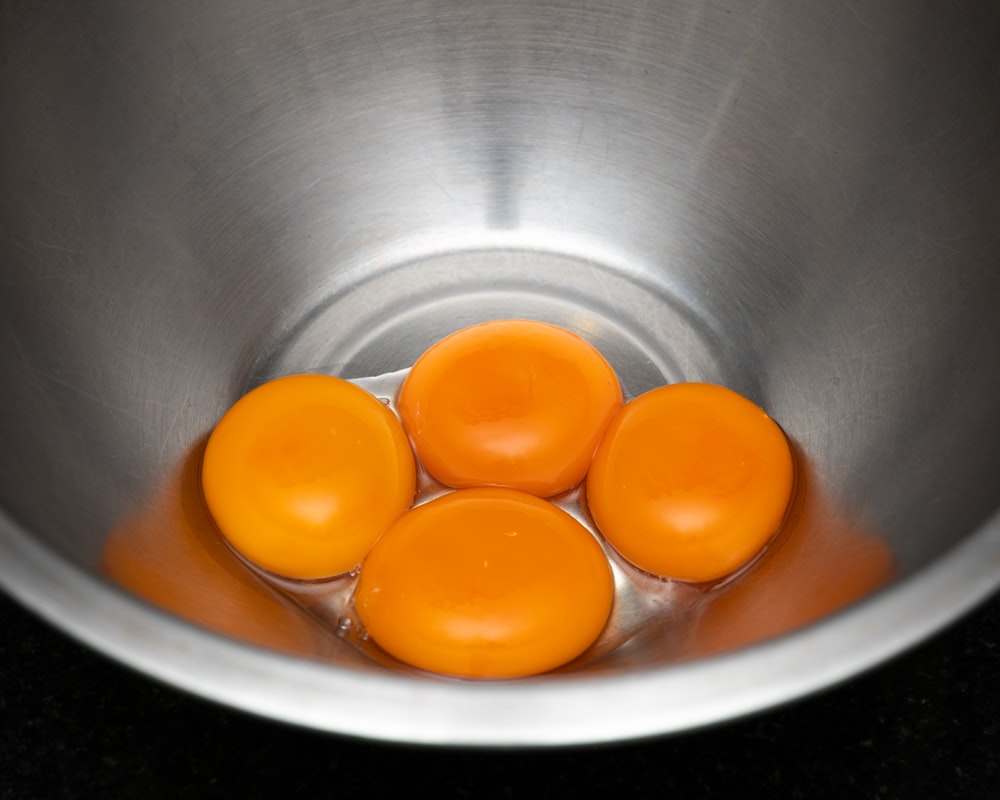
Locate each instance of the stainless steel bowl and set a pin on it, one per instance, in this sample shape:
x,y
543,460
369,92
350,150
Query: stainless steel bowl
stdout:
x,y
800,200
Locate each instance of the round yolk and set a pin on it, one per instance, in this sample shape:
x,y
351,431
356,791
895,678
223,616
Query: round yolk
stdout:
x,y
513,403
485,583
690,481
304,473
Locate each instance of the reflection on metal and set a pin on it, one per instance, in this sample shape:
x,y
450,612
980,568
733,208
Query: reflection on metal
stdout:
x,y
795,199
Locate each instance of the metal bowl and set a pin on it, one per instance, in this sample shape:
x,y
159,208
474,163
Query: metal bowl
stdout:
x,y
799,200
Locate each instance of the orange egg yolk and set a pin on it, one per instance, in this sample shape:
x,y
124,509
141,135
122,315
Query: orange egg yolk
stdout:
x,y
485,583
513,403
690,481
305,472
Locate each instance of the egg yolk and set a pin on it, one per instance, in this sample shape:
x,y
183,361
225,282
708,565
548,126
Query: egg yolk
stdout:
x,y
690,481
485,583
513,403
305,472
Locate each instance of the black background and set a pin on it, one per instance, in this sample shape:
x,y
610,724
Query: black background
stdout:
x,y
75,724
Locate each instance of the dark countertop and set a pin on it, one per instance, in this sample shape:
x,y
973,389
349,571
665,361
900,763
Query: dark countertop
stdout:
x,y
75,724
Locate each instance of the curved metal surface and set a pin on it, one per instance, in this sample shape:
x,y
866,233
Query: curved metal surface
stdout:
x,y
536,712
796,199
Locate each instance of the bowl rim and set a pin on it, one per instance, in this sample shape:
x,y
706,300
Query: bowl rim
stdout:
x,y
575,709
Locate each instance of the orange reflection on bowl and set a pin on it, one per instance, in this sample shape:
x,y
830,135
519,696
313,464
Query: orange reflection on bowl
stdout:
x,y
820,563
170,553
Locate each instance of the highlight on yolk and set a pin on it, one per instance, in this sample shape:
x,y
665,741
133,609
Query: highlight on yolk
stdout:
x,y
514,403
690,481
305,472
485,583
